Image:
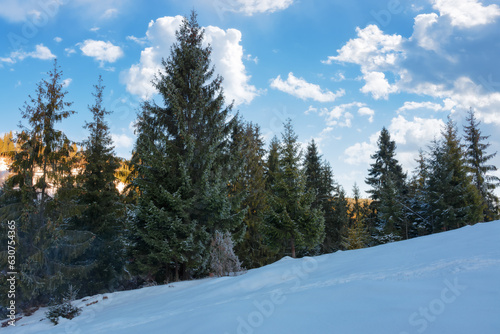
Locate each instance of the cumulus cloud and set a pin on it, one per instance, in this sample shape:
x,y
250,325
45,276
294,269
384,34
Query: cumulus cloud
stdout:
x,y
360,153
101,51
122,140
227,56
365,111
377,84
372,49
416,132
412,105
251,7
41,52
409,135
467,13
304,90
341,115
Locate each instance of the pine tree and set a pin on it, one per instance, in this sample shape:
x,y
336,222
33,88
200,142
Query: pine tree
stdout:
x,y
101,211
476,160
185,169
388,192
454,201
291,220
41,166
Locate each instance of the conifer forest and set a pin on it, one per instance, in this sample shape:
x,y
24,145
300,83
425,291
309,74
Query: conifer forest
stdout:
x,y
203,193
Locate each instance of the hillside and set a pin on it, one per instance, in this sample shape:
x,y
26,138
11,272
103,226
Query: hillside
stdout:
x,y
442,283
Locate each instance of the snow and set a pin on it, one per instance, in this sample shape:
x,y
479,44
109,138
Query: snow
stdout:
x,y
442,283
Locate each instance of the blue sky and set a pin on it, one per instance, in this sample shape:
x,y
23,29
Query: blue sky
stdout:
x,y
341,70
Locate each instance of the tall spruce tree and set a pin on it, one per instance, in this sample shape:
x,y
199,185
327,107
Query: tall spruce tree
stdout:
x,y
253,250
292,222
328,198
478,167
453,200
388,183
183,162
101,208
41,167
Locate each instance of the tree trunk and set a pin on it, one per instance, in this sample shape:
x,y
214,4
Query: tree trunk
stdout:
x,y
292,243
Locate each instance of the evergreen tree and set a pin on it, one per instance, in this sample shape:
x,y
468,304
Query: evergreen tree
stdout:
x,y
328,197
336,220
476,160
185,169
41,165
100,202
272,163
291,220
388,192
417,199
253,251
453,200
313,170
355,234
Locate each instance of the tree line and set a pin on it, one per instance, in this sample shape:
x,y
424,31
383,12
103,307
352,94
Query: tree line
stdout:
x,y
200,180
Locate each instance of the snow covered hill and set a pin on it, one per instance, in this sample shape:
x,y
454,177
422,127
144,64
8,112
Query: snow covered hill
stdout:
x,y
443,283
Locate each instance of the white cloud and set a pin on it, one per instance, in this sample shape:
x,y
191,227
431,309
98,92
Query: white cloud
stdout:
x,y
304,90
377,84
140,41
360,153
413,135
101,51
251,7
411,105
424,35
227,56
372,49
365,111
122,141
58,39
340,116
109,13
67,82
41,52
417,132
69,51
467,13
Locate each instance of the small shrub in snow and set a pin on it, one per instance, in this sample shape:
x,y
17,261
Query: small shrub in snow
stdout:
x,y
65,309
223,261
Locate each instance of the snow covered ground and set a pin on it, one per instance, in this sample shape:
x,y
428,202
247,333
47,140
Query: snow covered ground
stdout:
x,y
443,283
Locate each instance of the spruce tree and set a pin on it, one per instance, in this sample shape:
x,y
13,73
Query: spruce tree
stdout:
x,y
41,167
355,234
185,169
453,200
328,199
253,251
478,167
388,183
292,223
313,171
100,203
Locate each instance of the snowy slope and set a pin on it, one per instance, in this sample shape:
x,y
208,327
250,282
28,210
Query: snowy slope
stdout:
x,y
443,283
